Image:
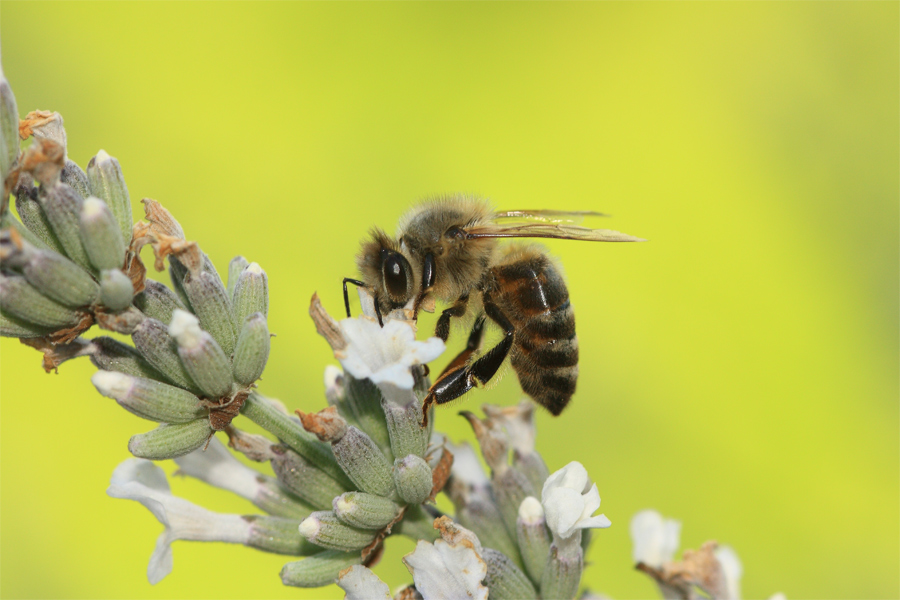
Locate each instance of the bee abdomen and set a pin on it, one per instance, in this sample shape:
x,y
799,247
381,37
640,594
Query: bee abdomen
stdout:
x,y
544,353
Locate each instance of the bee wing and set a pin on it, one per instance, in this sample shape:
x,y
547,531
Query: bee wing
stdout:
x,y
549,216
549,230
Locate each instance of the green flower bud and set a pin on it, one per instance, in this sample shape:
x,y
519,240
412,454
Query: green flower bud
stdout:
x,y
510,487
201,355
170,441
303,479
177,273
533,537
59,278
532,466
20,299
319,569
116,289
235,268
276,500
274,534
364,463
325,529
365,511
562,575
252,350
101,236
111,355
362,405
505,580
36,228
152,340
412,476
62,206
108,183
251,293
264,413
14,327
157,301
407,436
210,303
149,399
9,128
74,176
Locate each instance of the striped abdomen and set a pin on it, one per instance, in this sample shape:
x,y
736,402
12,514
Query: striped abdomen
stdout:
x,y
531,292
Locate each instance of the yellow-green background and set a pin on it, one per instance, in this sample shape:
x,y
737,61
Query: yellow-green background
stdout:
x,y
739,371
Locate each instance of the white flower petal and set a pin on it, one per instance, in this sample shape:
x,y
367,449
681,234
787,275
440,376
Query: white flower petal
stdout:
x,y
598,522
141,480
731,566
218,467
573,476
360,583
591,501
445,572
563,508
466,466
655,539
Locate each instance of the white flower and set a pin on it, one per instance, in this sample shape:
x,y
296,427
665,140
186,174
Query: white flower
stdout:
x,y
655,539
732,568
452,567
361,583
386,354
218,467
569,503
141,480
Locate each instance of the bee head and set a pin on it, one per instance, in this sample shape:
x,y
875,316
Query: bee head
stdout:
x,y
386,271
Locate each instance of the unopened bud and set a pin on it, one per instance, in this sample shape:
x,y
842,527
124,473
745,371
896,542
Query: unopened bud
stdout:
x,y
412,476
365,511
303,479
325,529
170,440
364,463
37,226
212,306
9,128
116,289
278,535
319,569
13,327
531,465
157,301
201,355
505,581
152,340
510,488
533,538
562,575
251,293
403,424
108,183
235,268
111,355
62,206
74,176
252,350
101,236
147,398
59,278
19,298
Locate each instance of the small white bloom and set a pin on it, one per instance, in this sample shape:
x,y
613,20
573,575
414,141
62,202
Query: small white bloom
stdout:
x,y
569,503
451,568
218,467
361,583
141,480
655,539
386,354
732,568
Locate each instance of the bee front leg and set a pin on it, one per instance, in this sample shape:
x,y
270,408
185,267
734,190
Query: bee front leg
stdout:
x,y
458,380
442,329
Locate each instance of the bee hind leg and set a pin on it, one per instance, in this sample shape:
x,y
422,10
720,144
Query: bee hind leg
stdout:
x,y
459,379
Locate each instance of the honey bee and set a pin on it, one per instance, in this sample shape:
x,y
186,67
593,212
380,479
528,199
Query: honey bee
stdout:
x,y
447,248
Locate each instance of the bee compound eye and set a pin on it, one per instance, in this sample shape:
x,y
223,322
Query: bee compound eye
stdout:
x,y
455,233
397,277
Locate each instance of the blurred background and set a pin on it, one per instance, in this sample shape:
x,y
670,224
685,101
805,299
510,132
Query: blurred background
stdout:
x,y
739,372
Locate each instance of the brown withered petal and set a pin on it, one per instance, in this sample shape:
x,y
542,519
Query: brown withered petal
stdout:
x,y
326,424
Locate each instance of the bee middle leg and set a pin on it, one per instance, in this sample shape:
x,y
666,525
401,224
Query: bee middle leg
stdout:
x,y
472,346
459,379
